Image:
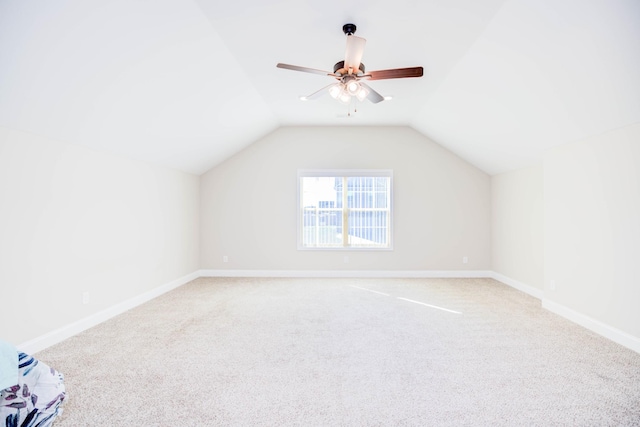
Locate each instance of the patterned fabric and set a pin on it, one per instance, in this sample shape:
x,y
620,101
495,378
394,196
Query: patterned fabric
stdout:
x,y
35,401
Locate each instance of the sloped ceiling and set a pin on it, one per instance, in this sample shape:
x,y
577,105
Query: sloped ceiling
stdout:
x,y
187,83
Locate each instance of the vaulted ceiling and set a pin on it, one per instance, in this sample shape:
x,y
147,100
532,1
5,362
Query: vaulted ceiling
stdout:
x,y
187,83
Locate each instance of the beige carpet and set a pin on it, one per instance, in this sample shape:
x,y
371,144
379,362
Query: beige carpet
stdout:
x,y
345,352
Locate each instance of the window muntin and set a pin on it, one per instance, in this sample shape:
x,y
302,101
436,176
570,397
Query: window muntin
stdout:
x,y
332,218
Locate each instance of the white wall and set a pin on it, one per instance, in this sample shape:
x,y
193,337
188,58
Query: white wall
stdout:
x,y
592,228
74,220
517,226
441,203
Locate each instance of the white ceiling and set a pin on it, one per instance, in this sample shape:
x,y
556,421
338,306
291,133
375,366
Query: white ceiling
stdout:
x,y
187,83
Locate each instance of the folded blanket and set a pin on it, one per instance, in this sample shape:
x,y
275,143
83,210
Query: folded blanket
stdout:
x,y
35,400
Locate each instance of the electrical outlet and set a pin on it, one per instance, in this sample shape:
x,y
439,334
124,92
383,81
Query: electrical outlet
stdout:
x,y
465,259
225,259
86,298
346,259
552,285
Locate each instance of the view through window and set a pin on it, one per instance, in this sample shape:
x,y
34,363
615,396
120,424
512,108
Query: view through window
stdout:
x,y
345,209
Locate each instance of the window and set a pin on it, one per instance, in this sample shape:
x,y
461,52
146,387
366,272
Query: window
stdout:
x,y
344,209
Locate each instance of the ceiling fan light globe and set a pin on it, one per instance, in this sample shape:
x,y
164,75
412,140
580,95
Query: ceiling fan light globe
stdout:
x,y
344,97
362,93
334,91
353,87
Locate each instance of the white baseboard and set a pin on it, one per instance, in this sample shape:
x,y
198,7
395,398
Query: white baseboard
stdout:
x,y
348,273
585,321
615,335
58,335
527,289
61,334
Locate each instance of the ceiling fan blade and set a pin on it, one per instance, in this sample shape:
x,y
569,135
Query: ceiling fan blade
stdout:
x,y
354,52
304,69
396,73
318,93
372,96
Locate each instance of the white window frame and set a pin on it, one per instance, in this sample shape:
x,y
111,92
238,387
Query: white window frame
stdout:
x,y
346,173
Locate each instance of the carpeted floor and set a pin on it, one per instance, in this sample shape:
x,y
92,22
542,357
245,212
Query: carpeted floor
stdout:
x,y
345,352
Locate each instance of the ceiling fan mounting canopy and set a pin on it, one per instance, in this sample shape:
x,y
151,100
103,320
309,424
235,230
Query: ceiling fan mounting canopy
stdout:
x,y
350,73
349,29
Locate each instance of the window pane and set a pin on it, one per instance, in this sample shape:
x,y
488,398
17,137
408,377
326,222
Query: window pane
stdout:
x,y
364,204
321,218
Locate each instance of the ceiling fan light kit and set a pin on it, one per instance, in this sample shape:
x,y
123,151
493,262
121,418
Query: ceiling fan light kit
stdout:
x,y
350,73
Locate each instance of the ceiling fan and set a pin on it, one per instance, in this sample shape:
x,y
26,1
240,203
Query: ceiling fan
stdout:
x,y
350,73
